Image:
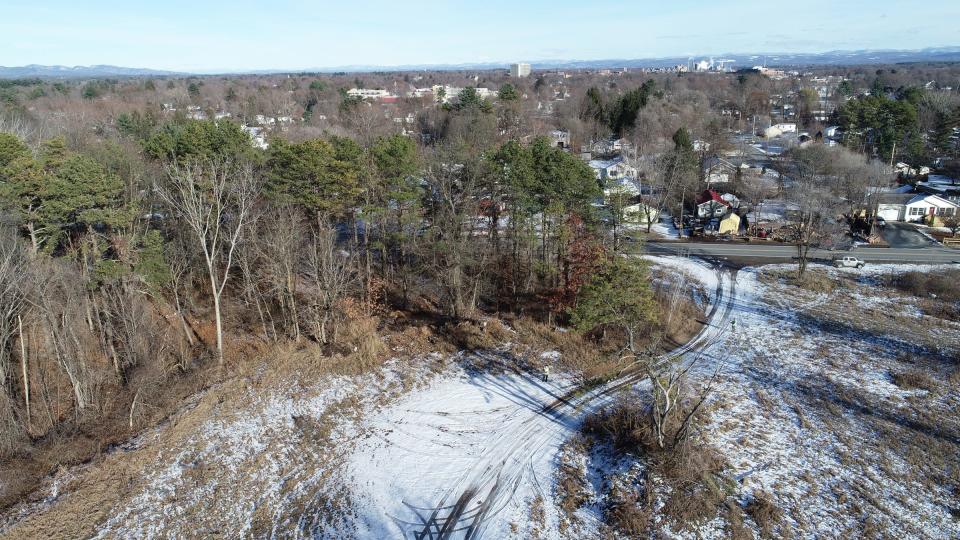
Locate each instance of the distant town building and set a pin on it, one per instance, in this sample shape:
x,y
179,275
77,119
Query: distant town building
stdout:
x,y
520,70
561,138
451,94
368,93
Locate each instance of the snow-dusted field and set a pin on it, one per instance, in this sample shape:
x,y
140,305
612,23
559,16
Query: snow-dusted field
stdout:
x,y
807,410
473,445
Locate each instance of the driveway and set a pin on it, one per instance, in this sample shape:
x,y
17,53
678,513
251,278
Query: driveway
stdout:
x,y
903,235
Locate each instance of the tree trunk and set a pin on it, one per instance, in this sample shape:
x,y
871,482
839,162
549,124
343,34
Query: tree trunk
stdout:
x,y
23,367
34,241
216,311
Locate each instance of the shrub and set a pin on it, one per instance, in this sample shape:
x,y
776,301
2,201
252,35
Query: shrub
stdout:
x,y
626,513
765,513
913,379
944,285
819,282
691,470
363,345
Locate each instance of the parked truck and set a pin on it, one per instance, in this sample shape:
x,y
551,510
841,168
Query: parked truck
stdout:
x,y
848,262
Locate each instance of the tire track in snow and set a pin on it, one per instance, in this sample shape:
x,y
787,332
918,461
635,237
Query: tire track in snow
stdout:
x,y
470,515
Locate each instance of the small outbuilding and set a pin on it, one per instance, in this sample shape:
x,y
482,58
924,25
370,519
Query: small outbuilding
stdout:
x,y
729,224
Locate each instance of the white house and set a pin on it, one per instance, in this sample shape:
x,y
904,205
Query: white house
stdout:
x,y
892,206
786,127
924,205
612,168
831,132
608,146
257,137
711,204
626,185
701,146
906,171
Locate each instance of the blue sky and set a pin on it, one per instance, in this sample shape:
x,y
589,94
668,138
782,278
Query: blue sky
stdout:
x,y
220,35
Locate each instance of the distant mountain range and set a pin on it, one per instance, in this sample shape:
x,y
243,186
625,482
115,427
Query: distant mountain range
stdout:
x,y
736,60
78,72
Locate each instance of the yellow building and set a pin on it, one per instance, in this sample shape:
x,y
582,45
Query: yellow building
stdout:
x,y
729,224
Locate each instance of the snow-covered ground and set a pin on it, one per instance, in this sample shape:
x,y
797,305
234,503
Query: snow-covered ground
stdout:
x,y
806,409
473,445
663,228
476,454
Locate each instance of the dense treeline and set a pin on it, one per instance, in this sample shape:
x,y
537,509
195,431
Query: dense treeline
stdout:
x,y
129,261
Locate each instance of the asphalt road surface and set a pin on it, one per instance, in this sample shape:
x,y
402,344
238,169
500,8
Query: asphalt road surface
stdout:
x,y
770,253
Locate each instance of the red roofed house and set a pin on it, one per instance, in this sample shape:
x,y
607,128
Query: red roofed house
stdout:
x,y
710,204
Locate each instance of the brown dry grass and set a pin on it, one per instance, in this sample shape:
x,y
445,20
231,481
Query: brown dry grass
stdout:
x,y
913,379
627,512
813,280
692,472
89,494
571,482
765,513
736,528
944,285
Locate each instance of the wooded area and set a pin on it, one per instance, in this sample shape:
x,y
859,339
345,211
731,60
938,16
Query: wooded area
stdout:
x,y
141,247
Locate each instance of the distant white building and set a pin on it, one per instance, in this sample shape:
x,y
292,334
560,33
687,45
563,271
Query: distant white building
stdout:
x,y
194,112
450,94
420,92
368,93
520,70
906,171
786,127
271,121
831,131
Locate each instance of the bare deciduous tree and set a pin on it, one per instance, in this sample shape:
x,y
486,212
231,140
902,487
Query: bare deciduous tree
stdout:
x,y
812,188
215,200
332,273
14,282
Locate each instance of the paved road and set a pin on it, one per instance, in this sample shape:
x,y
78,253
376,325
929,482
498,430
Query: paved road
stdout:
x,y
781,253
902,235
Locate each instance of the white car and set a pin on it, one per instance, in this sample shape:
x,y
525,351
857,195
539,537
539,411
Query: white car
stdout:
x,y
848,262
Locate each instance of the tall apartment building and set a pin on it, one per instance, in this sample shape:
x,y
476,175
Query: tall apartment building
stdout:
x,y
520,70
